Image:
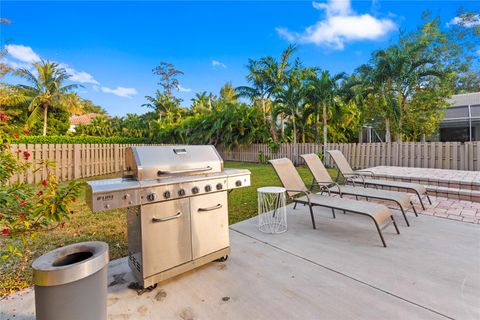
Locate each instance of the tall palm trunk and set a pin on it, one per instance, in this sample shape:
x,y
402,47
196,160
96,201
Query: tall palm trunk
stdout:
x,y
283,126
324,114
295,151
45,114
264,109
399,135
388,136
317,127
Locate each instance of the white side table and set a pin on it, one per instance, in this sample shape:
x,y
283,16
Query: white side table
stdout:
x,y
272,211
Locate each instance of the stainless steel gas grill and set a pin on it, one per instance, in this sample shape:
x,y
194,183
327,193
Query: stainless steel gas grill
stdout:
x,y
177,210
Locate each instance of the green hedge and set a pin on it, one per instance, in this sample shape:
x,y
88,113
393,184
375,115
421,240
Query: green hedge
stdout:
x,y
76,140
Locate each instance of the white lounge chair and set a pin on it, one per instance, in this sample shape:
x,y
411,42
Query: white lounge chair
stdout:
x,y
291,180
322,179
358,177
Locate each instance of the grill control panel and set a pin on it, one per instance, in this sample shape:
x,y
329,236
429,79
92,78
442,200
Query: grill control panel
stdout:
x,y
121,198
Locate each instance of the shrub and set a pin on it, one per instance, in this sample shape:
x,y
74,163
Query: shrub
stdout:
x,y
76,140
27,209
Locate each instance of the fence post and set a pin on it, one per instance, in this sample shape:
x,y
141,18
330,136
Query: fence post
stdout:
x,y
77,172
117,158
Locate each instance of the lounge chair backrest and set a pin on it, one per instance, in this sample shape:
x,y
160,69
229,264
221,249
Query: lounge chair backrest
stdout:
x,y
288,175
341,162
317,169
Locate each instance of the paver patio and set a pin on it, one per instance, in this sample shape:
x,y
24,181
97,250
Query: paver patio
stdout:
x,y
339,271
453,184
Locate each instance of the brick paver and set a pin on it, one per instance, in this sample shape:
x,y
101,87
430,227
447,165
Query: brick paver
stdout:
x,y
428,174
459,210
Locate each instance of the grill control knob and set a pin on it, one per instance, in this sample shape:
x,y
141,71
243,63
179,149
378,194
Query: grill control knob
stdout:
x,y
219,186
208,188
166,194
152,196
195,190
238,183
181,192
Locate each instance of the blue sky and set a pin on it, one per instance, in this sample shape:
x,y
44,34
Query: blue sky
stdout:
x,y
111,47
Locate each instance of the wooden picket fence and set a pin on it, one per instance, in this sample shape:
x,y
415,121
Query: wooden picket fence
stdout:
x,y
440,155
72,161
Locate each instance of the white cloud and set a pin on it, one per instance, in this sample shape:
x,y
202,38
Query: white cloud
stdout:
x,y
216,63
341,25
22,53
96,88
472,22
78,76
16,65
26,57
182,89
120,91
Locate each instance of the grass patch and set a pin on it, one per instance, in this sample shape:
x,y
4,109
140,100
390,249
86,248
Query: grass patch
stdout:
x,y
111,226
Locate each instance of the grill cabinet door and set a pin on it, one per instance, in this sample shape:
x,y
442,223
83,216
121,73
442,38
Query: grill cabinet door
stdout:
x,y
209,223
166,240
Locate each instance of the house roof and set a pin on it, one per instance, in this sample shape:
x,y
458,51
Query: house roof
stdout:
x,y
83,119
465,99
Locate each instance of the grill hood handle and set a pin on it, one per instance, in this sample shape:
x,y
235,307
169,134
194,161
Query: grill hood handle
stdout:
x,y
162,172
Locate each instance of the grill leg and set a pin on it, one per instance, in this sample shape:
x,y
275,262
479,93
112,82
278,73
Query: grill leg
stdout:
x,y
414,210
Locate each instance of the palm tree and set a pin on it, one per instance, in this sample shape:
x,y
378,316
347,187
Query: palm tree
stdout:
x,y
321,92
227,93
166,106
265,76
399,71
47,91
289,99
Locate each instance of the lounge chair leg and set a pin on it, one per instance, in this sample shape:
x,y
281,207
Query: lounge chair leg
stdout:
x,y
421,201
395,225
295,206
311,216
333,213
414,210
380,233
344,211
404,216
429,201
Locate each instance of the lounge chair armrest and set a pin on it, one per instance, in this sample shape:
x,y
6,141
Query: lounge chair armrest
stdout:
x,y
306,193
353,176
339,189
365,171
325,185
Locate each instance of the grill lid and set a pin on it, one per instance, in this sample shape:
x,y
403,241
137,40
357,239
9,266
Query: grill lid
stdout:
x,y
159,162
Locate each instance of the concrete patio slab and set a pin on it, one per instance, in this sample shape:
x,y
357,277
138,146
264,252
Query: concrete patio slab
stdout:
x,y
434,264
339,271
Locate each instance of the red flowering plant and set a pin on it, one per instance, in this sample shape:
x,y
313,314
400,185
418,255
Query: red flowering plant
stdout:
x,y
27,209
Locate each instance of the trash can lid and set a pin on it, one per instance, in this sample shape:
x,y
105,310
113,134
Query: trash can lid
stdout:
x,y
70,263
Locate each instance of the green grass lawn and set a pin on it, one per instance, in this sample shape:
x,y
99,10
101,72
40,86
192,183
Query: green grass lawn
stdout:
x,y
111,226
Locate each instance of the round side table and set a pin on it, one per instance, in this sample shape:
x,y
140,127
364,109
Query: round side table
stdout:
x,y
272,211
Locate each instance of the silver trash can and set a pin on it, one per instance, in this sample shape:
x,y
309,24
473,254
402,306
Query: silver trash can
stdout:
x,y
71,282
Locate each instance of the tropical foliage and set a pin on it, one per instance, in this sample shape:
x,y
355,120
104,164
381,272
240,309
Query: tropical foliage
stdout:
x,y
27,209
